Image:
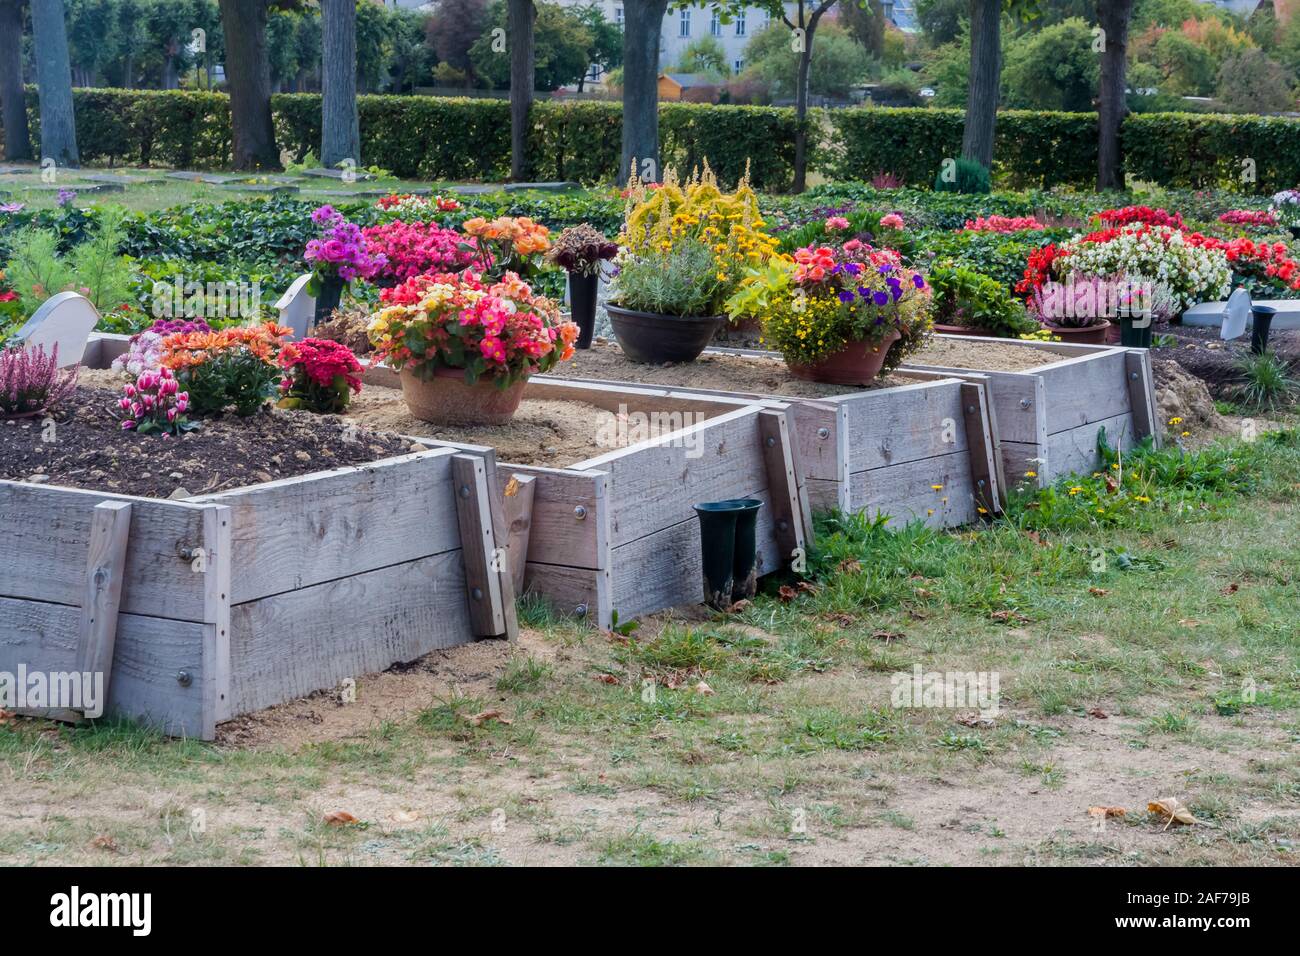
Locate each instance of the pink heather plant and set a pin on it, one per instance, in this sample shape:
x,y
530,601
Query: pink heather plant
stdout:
x,y
155,403
31,382
341,249
414,248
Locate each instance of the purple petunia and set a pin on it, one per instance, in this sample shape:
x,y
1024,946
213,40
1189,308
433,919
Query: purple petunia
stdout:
x,y
880,298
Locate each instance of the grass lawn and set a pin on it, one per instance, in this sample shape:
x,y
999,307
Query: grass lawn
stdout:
x,y
1142,624
152,189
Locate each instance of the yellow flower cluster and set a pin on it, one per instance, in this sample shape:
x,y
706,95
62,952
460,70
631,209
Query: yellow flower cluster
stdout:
x,y
658,217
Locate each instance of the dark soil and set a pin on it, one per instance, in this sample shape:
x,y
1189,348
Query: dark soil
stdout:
x,y
1200,351
84,446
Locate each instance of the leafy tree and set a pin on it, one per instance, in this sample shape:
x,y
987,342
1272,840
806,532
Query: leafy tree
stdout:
x,y
948,69
942,21
840,62
452,30
705,56
561,42
1052,69
866,23
1188,69
606,50
1252,82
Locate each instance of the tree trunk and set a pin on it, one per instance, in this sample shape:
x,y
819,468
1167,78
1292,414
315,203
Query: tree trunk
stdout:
x,y
128,72
1113,18
54,83
801,94
248,78
13,100
985,78
521,17
642,21
340,128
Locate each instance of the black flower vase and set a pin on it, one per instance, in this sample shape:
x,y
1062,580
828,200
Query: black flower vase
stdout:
x,y
728,549
328,298
1261,321
1135,336
744,576
582,305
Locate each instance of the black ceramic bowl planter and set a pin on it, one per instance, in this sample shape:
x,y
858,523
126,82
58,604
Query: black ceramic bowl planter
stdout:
x,y
728,546
654,339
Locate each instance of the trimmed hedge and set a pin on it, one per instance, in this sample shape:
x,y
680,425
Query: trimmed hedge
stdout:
x,y
1033,149
469,139
1199,151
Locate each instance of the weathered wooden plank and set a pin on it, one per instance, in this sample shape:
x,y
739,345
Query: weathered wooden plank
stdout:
x,y
478,543
1090,388
49,526
311,639
1019,401
581,591
618,397
149,653
788,500
1020,458
110,528
979,444
827,495
218,532
1142,396
1076,450
654,484
297,532
518,495
907,491
664,569
822,434
890,426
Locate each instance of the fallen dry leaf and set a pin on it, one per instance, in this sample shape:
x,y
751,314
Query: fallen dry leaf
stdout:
x,y
483,716
1189,622
703,688
1035,537
340,818
786,593
1098,592
742,605
6,716
850,566
1098,713
840,618
1006,616
924,594
512,487
605,678
887,636
404,816
105,842
973,719
807,587
1173,809
1230,589
1106,812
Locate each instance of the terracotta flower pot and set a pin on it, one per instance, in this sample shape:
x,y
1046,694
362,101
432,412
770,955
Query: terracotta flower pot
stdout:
x,y
962,330
444,398
1088,335
858,363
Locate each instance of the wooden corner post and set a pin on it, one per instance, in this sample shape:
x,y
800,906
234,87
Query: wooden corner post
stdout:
x,y
488,581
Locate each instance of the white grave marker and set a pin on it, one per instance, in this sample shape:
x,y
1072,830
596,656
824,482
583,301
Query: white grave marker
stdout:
x,y
65,320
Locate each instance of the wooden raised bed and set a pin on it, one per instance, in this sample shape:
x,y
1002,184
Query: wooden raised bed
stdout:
x,y
235,601
617,532
884,450
1047,418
